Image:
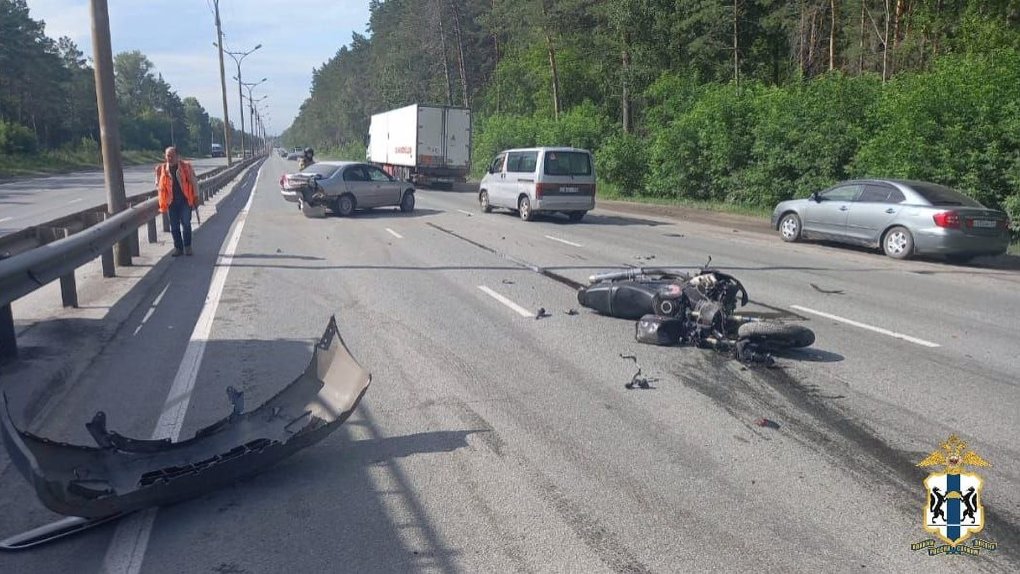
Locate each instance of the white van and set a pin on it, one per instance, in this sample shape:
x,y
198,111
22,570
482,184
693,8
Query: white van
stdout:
x,y
544,179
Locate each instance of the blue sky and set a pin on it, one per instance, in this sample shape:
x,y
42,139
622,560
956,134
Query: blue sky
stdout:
x,y
177,36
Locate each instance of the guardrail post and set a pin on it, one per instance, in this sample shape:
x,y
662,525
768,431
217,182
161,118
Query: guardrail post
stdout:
x,y
133,241
152,230
108,269
69,290
8,339
166,223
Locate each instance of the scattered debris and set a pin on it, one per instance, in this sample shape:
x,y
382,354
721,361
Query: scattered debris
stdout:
x,y
764,422
507,282
644,257
680,235
637,379
571,312
826,291
541,314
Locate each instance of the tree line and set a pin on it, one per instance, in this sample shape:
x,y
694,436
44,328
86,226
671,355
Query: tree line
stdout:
x,y
48,97
740,101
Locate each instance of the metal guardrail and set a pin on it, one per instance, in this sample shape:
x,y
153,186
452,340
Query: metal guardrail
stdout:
x,y
38,255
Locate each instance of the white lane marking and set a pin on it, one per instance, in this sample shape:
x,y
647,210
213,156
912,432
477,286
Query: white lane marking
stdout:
x,y
520,310
130,541
76,200
465,212
152,309
915,340
563,241
394,233
6,219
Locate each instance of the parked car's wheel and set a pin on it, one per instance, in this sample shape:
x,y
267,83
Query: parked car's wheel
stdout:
x,y
776,335
345,205
407,202
898,243
524,208
483,202
789,227
576,216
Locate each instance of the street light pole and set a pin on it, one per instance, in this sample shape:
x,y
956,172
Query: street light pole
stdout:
x,y
109,127
251,110
238,58
223,87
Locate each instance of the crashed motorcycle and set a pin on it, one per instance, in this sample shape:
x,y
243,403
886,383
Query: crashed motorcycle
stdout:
x,y
698,309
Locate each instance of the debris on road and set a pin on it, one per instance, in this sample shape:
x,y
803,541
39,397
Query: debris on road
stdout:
x,y
121,475
637,379
541,314
571,312
764,422
507,282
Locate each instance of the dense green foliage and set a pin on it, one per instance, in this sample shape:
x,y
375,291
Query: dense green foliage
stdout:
x,y
48,99
744,101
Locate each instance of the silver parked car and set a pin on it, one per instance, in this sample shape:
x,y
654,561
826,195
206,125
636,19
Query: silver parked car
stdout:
x,y
902,217
344,186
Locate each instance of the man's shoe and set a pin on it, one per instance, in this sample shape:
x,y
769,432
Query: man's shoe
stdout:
x,y
176,253
187,250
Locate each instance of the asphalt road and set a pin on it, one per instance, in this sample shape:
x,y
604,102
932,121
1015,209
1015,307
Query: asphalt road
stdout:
x,y
491,441
32,201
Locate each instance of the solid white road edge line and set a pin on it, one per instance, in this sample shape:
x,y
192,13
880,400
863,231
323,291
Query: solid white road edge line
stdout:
x,y
563,241
914,340
127,549
394,233
520,310
6,219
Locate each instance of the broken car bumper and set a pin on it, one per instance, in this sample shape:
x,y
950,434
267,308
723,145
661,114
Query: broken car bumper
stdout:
x,y
122,475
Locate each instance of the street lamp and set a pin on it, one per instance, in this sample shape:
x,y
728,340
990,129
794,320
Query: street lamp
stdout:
x,y
238,58
251,110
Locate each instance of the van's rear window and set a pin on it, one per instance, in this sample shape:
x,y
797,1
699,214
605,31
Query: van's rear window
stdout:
x,y
567,163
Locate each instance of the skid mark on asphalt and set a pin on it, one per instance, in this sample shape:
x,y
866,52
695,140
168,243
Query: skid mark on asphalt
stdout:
x,y
588,529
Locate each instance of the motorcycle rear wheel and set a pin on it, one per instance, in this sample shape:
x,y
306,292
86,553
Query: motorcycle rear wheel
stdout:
x,y
776,335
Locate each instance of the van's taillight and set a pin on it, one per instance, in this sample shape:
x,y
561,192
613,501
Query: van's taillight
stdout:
x,y
541,188
947,219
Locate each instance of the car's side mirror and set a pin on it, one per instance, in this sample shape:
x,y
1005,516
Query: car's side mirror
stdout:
x,y
814,196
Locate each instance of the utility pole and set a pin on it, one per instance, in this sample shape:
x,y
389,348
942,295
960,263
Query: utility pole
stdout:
x,y
109,123
223,87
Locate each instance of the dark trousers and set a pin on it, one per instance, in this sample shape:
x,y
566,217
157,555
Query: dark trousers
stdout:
x,y
180,220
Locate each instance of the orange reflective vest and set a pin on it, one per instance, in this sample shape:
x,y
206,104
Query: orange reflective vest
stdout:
x,y
165,186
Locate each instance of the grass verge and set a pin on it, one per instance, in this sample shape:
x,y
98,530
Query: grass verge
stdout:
x,y
610,192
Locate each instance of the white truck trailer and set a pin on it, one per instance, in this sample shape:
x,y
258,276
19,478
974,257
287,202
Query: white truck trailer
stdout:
x,y
426,145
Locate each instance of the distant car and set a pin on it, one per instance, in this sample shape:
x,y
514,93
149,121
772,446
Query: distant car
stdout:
x,y
902,217
295,154
217,151
344,186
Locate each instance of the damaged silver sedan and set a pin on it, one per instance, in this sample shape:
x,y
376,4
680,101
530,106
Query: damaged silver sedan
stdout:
x,y
122,475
